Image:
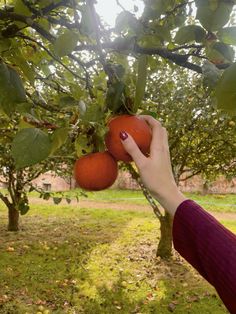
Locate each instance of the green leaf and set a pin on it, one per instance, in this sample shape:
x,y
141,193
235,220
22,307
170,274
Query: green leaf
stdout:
x,y
24,125
220,53
46,196
211,74
21,62
124,44
214,17
23,207
24,108
59,138
21,8
127,21
154,9
226,90
163,33
227,35
30,146
68,200
44,23
190,33
93,113
5,44
149,41
141,81
115,96
12,90
82,145
82,107
65,43
64,101
87,23
44,3
149,113
57,200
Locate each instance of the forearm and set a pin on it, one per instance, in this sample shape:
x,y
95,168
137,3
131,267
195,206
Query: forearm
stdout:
x,y
209,247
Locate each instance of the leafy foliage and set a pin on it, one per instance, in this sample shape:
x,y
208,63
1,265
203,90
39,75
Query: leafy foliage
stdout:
x,y
64,72
31,143
202,141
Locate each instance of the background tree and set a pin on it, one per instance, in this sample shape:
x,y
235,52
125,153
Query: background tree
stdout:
x,y
19,180
58,57
202,139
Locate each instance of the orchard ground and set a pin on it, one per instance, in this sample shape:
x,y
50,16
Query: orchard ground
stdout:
x,y
98,256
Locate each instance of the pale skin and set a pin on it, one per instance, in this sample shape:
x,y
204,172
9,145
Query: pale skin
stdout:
x,y
155,170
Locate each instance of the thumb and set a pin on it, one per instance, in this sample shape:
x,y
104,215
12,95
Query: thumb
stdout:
x,y
132,148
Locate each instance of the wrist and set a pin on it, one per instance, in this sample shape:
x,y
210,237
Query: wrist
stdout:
x,y
170,198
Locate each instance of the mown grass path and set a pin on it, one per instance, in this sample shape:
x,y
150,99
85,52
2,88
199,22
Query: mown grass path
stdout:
x,y
96,257
128,205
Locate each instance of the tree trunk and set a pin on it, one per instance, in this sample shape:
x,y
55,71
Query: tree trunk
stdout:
x,y
164,249
13,219
205,188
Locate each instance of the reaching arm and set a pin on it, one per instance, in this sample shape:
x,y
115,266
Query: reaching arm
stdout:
x,y
205,243
209,247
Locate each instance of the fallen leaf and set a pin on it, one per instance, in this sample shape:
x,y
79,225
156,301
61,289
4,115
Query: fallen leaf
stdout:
x,y
171,307
193,298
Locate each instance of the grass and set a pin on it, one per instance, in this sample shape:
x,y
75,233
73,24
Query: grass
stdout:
x,y
69,259
211,202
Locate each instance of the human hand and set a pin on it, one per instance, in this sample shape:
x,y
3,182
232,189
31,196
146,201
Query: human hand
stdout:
x,y
155,170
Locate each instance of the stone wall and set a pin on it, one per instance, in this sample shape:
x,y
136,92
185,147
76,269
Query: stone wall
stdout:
x,y
50,182
196,184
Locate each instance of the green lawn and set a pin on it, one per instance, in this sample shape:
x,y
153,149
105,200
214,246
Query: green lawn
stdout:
x,y
69,259
211,202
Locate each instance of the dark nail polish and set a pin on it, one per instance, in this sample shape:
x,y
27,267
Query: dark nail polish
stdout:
x,y
123,135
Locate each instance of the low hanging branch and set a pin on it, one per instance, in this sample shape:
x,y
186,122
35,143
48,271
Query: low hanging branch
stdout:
x,y
179,59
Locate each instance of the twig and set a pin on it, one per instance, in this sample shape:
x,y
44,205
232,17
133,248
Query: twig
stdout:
x,y
187,47
145,191
120,5
179,59
51,55
42,105
28,21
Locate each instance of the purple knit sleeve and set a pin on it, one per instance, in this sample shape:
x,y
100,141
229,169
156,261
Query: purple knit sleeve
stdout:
x,y
209,247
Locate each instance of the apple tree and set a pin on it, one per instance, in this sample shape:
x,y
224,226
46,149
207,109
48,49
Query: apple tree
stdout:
x,y
41,137
61,64
202,139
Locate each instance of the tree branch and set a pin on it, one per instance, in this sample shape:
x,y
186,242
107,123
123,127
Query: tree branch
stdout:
x,y
51,55
5,15
179,59
42,105
146,193
191,175
53,6
5,200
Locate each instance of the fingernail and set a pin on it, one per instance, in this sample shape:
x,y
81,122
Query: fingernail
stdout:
x,y
123,135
